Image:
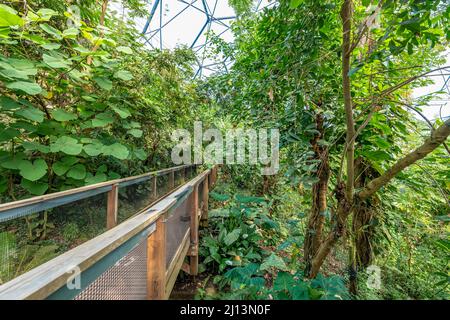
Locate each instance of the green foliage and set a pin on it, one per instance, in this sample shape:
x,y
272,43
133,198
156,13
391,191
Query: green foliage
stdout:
x,y
71,232
234,239
287,72
232,250
67,107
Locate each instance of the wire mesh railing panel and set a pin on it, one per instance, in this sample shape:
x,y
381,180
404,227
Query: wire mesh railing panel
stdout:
x,y
125,280
177,224
133,198
29,241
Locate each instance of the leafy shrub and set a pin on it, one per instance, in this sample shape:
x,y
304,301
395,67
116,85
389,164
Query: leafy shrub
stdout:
x,y
71,232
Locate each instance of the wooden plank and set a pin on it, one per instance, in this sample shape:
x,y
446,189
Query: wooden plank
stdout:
x,y
156,261
176,264
112,207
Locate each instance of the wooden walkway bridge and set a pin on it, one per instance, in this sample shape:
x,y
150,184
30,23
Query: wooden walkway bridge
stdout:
x,y
139,258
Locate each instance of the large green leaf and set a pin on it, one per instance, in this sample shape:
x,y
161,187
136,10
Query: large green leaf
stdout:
x,y
126,50
46,14
248,199
123,75
33,171
62,115
34,187
24,65
17,69
99,177
8,133
219,197
137,133
116,150
67,145
283,282
122,112
104,83
31,113
274,261
77,172
295,3
71,33
377,155
62,166
12,162
93,149
30,88
140,154
51,31
9,17
8,71
7,104
102,119
231,237
51,46
300,291
56,61
33,145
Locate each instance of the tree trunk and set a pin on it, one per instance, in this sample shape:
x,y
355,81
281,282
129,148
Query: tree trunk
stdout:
x,y
319,198
438,136
338,227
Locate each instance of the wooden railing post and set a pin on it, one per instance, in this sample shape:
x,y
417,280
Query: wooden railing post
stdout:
x,y
193,255
154,188
112,207
156,261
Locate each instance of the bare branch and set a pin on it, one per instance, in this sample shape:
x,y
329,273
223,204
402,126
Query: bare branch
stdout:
x,y
408,81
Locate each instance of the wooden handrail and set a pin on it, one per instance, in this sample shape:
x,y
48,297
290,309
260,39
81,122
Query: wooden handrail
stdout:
x,y
47,278
51,196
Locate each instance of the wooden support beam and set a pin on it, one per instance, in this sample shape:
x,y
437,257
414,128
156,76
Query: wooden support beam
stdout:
x,y
193,259
112,207
177,264
156,261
